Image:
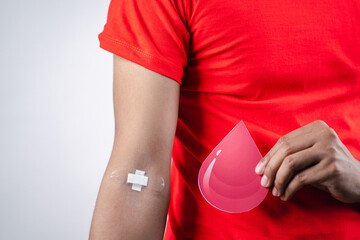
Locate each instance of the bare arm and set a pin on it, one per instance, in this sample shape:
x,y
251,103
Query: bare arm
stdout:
x,y
146,110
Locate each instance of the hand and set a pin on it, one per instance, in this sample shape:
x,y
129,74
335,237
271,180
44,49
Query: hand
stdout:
x,y
312,154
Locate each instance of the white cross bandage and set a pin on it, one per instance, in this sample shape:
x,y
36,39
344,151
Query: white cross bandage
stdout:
x,y
138,180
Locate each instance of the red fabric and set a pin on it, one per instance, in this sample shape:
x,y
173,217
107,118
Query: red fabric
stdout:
x,y
277,65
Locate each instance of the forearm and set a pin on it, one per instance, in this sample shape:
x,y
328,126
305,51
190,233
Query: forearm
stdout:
x,y
122,213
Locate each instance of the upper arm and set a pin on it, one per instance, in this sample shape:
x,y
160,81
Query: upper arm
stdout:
x,y
145,107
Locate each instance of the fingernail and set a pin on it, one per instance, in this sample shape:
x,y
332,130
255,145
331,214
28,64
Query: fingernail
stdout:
x,y
264,181
275,192
282,197
259,168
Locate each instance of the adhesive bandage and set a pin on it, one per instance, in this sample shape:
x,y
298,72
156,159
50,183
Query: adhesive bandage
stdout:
x,y
138,180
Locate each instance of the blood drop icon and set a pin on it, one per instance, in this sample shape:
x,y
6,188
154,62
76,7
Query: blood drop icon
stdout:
x,y
227,178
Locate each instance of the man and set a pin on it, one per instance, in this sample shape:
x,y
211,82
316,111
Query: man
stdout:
x,y
192,69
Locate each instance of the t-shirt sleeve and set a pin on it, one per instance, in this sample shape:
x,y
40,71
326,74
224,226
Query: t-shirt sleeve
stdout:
x,y
151,33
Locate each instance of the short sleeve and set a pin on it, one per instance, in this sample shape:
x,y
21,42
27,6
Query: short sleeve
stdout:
x,y
152,33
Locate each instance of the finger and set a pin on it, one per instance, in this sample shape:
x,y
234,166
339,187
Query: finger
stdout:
x,y
312,175
315,126
296,144
260,167
318,124
294,163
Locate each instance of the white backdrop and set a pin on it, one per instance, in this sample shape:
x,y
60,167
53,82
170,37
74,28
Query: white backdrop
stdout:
x,y
56,125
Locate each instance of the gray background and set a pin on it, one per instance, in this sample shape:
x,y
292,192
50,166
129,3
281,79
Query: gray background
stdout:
x,y
56,125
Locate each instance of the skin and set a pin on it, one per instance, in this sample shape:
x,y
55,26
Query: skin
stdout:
x,y
146,110
311,155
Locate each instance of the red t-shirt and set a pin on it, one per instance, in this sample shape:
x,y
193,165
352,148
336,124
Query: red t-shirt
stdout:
x,y
277,65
